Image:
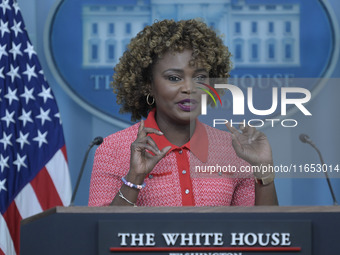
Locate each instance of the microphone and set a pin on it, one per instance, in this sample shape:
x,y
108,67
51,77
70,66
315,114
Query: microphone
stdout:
x,y
96,141
305,139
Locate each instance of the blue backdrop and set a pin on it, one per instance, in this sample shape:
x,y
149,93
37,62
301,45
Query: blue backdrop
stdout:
x,y
81,126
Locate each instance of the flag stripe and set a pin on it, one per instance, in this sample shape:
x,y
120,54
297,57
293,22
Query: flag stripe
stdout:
x,y
12,218
57,168
27,202
63,149
45,191
6,242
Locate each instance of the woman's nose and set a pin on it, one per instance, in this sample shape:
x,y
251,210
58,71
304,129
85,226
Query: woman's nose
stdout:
x,y
189,86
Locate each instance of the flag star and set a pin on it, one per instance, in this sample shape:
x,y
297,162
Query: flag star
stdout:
x,y
2,185
0,90
4,28
16,28
14,73
2,74
23,140
6,140
8,118
44,115
11,95
15,50
29,50
3,163
46,93
3,51
57,115
30,72
20,161
5,6
42,73
41,138
28,94
16,7
25,117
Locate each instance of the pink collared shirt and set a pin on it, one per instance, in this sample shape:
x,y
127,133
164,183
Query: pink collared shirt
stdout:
x,y
203,172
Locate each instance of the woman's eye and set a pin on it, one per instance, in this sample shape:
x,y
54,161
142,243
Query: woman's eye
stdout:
x,y
173,78
201,78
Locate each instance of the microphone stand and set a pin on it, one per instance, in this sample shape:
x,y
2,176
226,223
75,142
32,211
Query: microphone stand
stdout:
x,y
305,139
326,174
96,141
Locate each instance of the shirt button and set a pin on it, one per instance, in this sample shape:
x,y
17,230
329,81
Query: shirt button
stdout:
x,y
184,172
180,152
150,176
187,191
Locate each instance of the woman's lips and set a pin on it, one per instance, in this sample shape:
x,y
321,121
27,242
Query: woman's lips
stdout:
x,y
188,105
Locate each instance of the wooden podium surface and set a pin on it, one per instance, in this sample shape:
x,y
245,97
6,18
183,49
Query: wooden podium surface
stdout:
x,y
74,230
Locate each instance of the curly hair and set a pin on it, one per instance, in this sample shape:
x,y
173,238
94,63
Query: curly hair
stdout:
x,y
132,77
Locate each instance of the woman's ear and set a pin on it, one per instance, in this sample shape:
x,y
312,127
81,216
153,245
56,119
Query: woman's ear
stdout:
x,y
150,88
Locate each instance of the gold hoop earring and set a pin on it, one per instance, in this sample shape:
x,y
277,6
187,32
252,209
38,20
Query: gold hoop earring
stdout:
x,y
147,100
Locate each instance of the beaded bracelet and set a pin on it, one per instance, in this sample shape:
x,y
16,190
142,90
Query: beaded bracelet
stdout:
x,y
127,200
131,185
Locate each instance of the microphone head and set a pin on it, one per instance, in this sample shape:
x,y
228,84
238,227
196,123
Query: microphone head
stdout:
x,y
304,138
98,140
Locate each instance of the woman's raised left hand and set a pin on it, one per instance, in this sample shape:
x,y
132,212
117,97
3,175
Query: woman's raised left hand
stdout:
x,y
251,145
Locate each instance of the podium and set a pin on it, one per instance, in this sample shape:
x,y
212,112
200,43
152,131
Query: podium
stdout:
x,y
183,230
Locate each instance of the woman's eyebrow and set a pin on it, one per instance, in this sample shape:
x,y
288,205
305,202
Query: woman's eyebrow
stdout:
x,y
201,70
173,70
182,71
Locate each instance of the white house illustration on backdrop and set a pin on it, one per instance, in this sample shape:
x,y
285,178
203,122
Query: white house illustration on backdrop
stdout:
x,y
258,35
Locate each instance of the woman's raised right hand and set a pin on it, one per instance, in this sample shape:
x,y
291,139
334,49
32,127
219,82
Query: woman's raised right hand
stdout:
x,y
141,160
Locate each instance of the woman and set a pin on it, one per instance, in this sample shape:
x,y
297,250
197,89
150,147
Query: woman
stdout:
x,y
157,162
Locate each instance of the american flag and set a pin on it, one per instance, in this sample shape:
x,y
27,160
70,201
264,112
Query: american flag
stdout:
x,y
34,173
